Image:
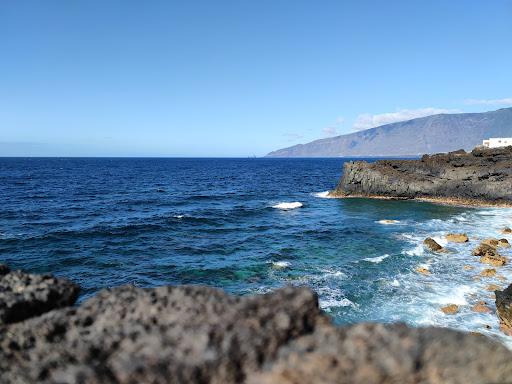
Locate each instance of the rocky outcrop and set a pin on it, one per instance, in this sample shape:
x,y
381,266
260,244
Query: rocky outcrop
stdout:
x,y
481,176
504,309
457,237
432,245
24,295
191,334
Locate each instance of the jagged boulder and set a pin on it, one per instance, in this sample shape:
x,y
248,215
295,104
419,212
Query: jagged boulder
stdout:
x,y
432,245
504,309
25,295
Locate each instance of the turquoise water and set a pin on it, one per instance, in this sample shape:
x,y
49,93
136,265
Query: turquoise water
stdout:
x,y
219,222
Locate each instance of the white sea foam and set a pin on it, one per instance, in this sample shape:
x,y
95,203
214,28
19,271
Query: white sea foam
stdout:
x,y
377,259
281,264
286,206
323,195
418,250
395,283
388,222
329,303
179,216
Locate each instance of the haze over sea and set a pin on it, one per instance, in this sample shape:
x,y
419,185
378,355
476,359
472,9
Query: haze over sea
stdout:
x,y
104,222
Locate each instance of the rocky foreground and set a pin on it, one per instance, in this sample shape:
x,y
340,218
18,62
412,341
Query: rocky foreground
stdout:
x,y
481,176
191,334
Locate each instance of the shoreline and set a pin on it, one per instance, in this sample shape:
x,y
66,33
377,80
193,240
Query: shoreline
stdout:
x,y
451,201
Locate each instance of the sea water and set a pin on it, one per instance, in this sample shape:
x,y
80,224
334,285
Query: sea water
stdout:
x,y
247,226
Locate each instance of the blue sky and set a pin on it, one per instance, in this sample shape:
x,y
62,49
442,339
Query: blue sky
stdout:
x,y
238,78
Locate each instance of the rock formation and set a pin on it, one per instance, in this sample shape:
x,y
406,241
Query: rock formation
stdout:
x,y
481,176
457,237
191,334
504,309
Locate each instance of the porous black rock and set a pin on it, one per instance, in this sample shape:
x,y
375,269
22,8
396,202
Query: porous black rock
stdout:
x,y
25,295
484,175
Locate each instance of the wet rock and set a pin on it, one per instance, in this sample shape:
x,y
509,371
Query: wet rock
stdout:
x,y
504,309
494,260
492,287
503,243
484,249
491,242
489,272
432,245
506,231
423,270
184,334
481,307
450,309
388,354
457,237
468,268
25,295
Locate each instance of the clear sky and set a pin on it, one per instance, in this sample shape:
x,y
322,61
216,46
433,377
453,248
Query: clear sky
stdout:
x,y
238,78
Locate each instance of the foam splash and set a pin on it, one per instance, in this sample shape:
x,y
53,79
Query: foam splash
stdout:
x,y
323,195
281,264
377,259
388,222
287,206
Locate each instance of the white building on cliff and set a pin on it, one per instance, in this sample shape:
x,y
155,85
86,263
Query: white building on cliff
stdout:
x,y
496,142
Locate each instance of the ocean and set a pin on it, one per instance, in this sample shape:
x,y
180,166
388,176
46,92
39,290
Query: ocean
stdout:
x,y
246,226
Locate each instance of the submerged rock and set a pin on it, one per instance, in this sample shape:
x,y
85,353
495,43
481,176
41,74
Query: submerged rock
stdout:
x,y
494,260
504,309
506,231
450,309
489,272
481,307
432,245
503,243
423,270
25,295
457,237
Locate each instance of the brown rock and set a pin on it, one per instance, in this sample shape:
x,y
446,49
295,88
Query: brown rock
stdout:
x,y
468,267
494,260
492,287
450,309
432,245
489,272
506,231
491,242
457,237
423,270
503,243
484,249
481,307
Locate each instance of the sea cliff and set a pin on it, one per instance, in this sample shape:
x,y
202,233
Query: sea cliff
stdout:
x,y
482,176
193,334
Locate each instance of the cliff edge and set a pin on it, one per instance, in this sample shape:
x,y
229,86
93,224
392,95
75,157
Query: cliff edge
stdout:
x,y
482,176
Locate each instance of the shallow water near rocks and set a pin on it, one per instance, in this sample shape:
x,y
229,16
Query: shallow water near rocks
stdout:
x,y
150,222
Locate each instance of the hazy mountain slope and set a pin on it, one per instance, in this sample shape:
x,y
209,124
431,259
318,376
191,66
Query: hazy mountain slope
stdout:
x,y
437,133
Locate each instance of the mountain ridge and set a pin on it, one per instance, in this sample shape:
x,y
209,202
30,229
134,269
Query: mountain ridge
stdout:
x,y
423,135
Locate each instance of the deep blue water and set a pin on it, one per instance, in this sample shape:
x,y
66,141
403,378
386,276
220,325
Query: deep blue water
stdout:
x,y
149,222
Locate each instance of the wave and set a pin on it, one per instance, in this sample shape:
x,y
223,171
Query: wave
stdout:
x,y
377,259
286,206
323,195
281,264
388,222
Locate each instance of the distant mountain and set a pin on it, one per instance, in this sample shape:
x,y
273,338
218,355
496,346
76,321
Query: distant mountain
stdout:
x,y
431,134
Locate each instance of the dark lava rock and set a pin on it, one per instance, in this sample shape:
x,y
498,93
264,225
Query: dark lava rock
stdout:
x,y
184,334
504,309
484,175
389,354
24,295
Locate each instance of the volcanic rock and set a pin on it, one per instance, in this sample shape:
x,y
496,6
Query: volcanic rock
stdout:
x,y
504,309
25,295
432,245
484,175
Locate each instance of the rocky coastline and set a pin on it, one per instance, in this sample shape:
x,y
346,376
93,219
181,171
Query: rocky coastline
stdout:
x,y
482,177
193,334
